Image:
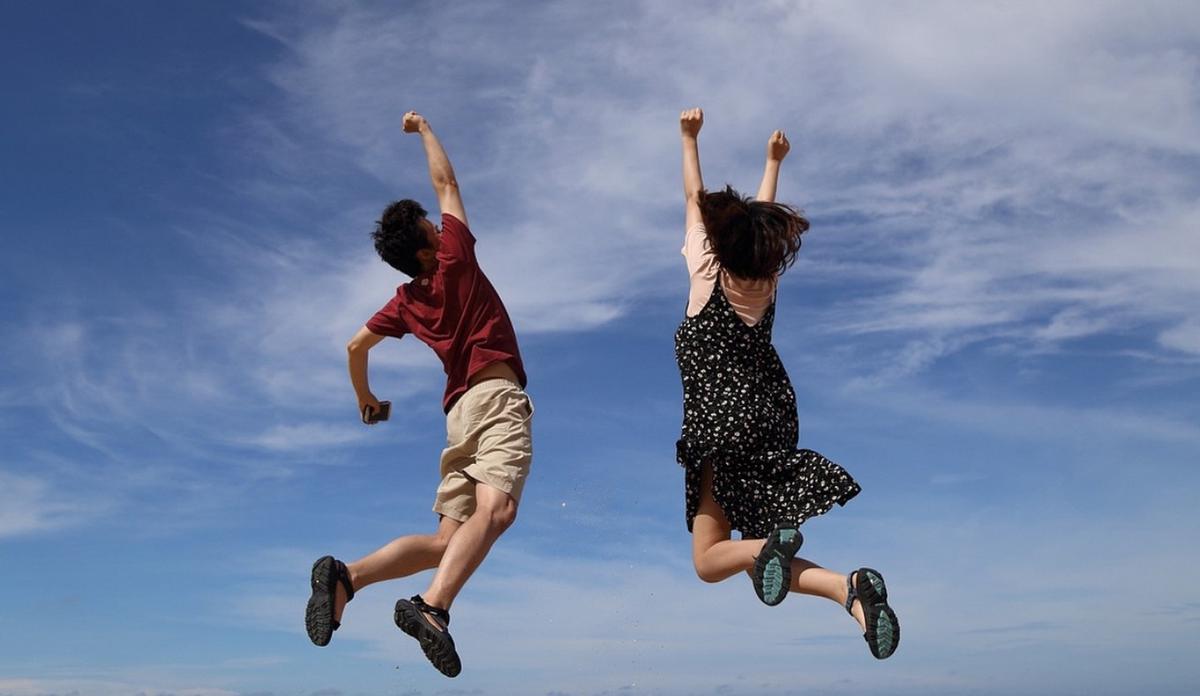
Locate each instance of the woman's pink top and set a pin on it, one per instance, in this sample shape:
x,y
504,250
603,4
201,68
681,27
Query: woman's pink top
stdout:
x,y
749,298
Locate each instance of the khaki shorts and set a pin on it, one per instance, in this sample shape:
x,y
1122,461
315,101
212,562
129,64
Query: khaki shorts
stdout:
x,y
488,440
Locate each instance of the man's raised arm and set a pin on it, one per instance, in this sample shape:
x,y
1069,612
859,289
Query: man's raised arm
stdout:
x,y
440,171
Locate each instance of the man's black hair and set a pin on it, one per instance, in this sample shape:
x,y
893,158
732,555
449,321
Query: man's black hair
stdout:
x,y
399,236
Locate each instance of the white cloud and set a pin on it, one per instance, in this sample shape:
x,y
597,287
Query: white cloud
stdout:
x,y
30,504
1184,337
305,435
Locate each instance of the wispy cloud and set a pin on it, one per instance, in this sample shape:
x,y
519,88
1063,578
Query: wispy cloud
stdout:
x,y
31,504
305,435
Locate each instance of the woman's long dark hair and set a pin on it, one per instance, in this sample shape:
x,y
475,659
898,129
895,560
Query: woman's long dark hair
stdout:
x,y
751,239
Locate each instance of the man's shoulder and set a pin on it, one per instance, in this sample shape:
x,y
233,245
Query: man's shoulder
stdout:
x,y
390,319
404,292
457,230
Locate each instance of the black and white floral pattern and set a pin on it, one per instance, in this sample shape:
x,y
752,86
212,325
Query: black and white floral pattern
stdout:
x,y
739,416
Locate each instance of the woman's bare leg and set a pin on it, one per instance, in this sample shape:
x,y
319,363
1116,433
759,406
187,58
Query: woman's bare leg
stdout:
x,y
811,579
716,556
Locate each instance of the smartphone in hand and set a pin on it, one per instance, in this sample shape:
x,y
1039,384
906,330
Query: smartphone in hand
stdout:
x,y
372,415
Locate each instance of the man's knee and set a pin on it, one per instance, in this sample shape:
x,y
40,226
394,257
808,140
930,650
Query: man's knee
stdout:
x,y
500,515
440,541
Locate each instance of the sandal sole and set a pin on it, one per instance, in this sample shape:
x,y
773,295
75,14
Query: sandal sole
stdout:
x,y
880,617
773,567
318,616
442,656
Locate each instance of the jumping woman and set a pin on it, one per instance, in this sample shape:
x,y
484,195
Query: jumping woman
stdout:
x,y
742,469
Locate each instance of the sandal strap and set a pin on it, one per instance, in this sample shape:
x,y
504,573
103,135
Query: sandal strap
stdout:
x,y
851,594
343,576
438,612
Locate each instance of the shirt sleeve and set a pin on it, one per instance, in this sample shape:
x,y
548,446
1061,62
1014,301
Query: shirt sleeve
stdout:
x,y
457,241
388,321
698,255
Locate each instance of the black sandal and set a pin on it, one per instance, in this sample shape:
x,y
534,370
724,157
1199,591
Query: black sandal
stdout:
x,y
883,628
773,567
327,572
438,646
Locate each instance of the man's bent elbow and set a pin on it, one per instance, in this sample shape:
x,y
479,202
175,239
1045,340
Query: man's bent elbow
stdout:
x,y
362,341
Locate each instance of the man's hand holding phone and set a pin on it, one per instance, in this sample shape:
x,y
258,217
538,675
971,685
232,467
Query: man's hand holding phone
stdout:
x,y
373,410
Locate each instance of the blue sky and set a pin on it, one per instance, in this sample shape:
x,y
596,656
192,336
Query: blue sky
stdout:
x,y
993,325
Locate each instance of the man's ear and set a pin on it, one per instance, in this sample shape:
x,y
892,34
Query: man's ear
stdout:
x,y
426,255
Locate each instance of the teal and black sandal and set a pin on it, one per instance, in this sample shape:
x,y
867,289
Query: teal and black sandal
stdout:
x,y
883,628
327,572
412,617
773,567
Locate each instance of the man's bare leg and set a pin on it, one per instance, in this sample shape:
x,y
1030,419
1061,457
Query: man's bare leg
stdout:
x,y
398,558
495,511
